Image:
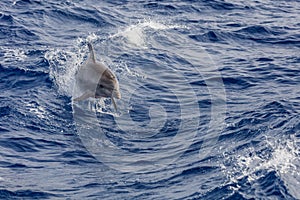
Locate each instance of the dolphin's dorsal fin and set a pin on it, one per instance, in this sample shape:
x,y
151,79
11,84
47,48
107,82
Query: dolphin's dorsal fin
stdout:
x,y
92,54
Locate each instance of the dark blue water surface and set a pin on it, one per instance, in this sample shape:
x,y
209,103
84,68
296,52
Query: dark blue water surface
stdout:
x,y
209,110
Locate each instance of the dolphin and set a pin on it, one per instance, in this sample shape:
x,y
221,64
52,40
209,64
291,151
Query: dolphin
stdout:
x,y
96,80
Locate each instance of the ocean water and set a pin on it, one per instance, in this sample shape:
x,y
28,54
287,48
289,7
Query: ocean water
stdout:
x,y
209,110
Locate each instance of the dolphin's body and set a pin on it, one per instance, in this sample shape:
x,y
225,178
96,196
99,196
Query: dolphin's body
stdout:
x,y
96,80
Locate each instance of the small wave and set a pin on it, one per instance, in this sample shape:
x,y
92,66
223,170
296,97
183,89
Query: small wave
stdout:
x,y
254,30
26,78
161,7
29,194
224,6
20,144
210,36
6,19
238,82
20,59
4,111
17,34
263,59
267,35
75,16
25,2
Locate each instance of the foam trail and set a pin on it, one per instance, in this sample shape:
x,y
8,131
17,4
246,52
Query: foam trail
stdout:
x,y
137,34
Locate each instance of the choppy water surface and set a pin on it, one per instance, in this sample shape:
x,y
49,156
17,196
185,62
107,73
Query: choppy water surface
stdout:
x,y
209,109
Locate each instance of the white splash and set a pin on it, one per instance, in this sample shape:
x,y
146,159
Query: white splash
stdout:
x,y
64,64
137,35
281,156
286,158
14,55
37,110
159,26
62,69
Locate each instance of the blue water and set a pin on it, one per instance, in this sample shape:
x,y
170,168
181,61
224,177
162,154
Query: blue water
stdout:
x,y
209,110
